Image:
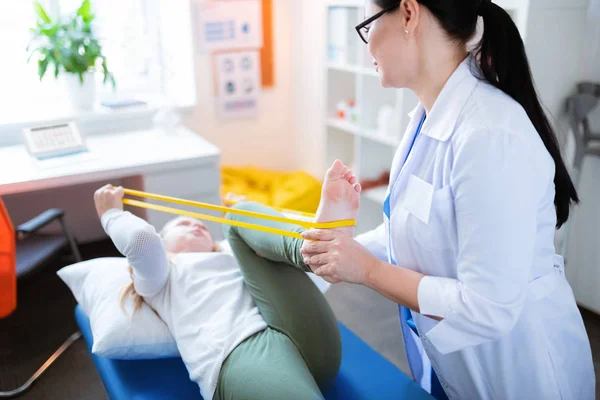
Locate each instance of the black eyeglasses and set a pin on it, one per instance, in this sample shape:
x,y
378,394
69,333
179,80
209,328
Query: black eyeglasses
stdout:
x,y
363,27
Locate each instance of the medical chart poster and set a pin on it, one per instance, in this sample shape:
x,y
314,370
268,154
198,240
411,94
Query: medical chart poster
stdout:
x,y
238,84
229,24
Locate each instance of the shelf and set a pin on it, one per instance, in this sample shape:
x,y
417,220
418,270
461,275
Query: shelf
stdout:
x,y
370,72
343,67
343,126
376,194
355,130
381,139
346,3
354,69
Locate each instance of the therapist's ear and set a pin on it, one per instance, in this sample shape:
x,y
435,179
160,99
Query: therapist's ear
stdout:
x,y
410,12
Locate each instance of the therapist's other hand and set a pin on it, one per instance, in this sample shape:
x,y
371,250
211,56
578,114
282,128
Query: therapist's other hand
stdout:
x,y
108,197
337,257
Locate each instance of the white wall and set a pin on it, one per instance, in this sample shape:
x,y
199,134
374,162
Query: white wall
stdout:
x,y
267,141
583,255
308,90
554,42
591,51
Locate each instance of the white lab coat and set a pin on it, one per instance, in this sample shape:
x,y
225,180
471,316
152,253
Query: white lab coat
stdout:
x,y
473,209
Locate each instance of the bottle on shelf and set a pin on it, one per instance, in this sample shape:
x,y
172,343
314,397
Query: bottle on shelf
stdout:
x,y
347,111
385,121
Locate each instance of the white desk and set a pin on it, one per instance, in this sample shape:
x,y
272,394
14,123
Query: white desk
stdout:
x,y
180,165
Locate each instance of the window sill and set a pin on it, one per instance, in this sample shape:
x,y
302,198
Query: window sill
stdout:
x,y
91,122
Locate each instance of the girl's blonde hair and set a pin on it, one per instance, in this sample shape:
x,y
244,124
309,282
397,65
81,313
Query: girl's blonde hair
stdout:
x,y
129,290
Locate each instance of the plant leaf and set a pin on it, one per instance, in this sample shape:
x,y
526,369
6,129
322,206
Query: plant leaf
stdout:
x,y
41,13
104,70
68,44
85,11
33,52
48,30
42,66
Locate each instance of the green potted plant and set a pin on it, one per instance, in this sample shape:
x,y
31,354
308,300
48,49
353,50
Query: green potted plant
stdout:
x,y
69,45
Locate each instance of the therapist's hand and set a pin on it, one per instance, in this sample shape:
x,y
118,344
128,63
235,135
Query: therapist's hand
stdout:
x,y
337,257
108,197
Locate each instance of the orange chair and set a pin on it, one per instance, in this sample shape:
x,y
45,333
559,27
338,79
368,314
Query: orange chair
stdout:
x,y
23,252
8,264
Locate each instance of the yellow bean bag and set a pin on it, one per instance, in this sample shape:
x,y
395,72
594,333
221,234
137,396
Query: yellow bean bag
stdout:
x,y
292,190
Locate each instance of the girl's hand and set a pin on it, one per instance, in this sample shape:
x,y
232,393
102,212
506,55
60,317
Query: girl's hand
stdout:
x,y
108,197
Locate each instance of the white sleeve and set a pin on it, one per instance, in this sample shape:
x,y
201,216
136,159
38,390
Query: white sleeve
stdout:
x,y
138,241
496,191
376,242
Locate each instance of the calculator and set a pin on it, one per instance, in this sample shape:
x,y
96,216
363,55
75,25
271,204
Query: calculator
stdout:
x,y
54,140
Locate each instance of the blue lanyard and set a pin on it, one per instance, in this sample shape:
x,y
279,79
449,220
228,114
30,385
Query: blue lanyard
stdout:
x,y
405,314
416,135
386,204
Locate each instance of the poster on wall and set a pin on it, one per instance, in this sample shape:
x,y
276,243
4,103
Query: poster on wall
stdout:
x,y
238,83
228,25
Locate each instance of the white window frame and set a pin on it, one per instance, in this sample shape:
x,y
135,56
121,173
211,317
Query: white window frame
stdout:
x,y
173,24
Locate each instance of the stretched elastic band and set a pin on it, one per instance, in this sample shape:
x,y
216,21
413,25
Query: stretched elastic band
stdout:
x,y
212,207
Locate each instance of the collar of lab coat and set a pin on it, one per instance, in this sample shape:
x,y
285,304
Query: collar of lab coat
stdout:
x,y
441,121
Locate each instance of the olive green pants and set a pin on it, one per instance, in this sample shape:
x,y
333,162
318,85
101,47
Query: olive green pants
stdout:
x,y
299,355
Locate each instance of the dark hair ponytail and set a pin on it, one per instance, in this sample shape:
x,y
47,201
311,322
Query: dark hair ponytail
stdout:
x,y
504,64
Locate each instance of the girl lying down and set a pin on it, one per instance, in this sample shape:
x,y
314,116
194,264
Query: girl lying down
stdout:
x,y
246,326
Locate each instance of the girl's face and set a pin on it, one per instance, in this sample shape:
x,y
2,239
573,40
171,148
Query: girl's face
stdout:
x,y
187,235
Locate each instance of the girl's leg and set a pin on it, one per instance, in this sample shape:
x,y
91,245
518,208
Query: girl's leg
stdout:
x,y
266,366
286,297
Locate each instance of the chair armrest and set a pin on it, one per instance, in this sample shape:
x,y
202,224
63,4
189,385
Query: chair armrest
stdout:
x,y
37,223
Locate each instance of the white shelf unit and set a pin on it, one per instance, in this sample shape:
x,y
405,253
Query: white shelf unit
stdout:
x,y
350,75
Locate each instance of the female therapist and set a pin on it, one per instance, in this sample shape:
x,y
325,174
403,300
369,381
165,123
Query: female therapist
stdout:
x,y
477,189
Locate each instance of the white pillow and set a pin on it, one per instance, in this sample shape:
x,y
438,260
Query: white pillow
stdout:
x,y
96,285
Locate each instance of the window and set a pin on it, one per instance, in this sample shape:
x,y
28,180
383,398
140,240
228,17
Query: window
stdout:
x,y
129,32
125,29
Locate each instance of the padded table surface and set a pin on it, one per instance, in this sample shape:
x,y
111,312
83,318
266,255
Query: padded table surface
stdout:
x,y
364,374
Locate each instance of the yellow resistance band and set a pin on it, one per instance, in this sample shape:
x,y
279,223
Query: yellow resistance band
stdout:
x,y
283,210
205,217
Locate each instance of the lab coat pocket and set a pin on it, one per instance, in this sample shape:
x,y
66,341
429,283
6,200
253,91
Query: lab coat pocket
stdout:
x,y
431,214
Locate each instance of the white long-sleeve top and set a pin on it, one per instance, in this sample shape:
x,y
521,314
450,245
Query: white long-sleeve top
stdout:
x,y
201,296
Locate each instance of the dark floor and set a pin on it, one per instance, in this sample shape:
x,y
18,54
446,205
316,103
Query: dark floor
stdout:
x,y
45,319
